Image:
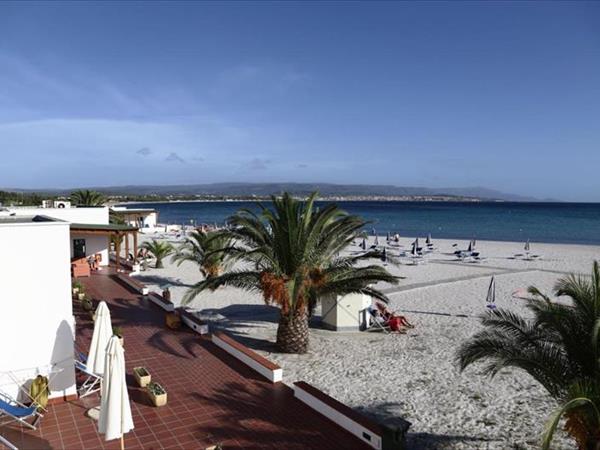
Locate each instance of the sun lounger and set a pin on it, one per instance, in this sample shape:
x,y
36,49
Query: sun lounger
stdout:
x,y
374,322
92,381
13,411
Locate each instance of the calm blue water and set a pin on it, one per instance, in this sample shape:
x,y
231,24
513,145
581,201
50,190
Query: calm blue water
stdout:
x,y
540,222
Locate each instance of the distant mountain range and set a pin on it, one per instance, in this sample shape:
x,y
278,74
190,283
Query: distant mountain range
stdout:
x,y
325,190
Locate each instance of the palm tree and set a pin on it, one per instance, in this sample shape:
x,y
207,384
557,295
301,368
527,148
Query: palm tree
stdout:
x,y
292,256
559,347
87,198
202,248
159,249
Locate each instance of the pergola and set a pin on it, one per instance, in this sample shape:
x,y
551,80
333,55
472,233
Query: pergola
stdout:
x,y
110,230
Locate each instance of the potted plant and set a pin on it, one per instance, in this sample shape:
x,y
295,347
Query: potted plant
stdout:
x,y
81,292
76,286
173,320
157,394
118,332
86,303
142,376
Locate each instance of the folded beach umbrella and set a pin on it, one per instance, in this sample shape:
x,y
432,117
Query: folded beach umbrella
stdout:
x,y
470,249
474,243
388,236
384,255
428,240
363,244
376,240
115,411
527,246
100,337
491,295
414,251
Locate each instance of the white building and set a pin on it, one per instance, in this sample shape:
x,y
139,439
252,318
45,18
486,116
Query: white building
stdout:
x,y
146,219
90,228
37,331
39,249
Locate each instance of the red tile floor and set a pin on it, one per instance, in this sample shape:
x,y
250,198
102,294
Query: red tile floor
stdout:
x,y
212,397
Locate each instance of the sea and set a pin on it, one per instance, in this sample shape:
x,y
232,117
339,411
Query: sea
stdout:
x,y
567,223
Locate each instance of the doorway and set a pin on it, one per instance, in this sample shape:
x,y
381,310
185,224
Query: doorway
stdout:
x,y
78,248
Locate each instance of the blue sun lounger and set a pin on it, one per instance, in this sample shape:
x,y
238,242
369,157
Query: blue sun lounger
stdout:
x,y
13,411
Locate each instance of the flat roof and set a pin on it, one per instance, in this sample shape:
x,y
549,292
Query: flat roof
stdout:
x,y
102,227
26,219
133,210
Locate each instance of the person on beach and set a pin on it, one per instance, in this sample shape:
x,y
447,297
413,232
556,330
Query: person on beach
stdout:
x,y
388,318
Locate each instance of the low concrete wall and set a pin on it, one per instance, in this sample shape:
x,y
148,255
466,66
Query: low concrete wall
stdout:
x,y
263,366
356,424
134,284
190,319
159,300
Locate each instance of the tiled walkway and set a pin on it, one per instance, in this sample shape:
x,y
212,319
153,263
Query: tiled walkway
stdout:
x,y
212,398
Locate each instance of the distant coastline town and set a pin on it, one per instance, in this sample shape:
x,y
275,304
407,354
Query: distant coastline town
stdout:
x,y
8,198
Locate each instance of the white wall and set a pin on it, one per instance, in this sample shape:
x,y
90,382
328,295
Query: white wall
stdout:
x,y
97,215
131,216
93,244
36,332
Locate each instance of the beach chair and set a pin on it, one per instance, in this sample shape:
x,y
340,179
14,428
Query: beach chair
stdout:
x,y
92,381
12,410
373,322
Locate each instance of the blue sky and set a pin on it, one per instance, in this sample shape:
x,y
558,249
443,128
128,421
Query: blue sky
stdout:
x,y
502,95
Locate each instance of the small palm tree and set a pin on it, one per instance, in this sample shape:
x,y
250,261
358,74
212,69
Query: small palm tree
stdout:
x,y
292,256
159,250
559,347
87,198
202,248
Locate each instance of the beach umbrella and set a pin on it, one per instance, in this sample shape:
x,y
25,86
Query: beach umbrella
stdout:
x,y
474,243
388,236
470,249
527,246
428,240
363,244
376,240
415,251
491,295
115,411
100,337
384,255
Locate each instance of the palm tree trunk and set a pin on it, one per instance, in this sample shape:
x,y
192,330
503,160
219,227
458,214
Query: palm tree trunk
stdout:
x,y
292,333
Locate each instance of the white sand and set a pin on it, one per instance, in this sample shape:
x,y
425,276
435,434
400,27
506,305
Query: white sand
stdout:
x,y
414,376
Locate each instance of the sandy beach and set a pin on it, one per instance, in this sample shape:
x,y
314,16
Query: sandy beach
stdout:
x,y
414,376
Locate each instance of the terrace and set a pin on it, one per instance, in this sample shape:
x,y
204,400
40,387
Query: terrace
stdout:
x,y
213,398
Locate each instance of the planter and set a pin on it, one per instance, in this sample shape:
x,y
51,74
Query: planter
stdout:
x,y
142,376
173,321
157,394
86,305
118,332
81,296
75,292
